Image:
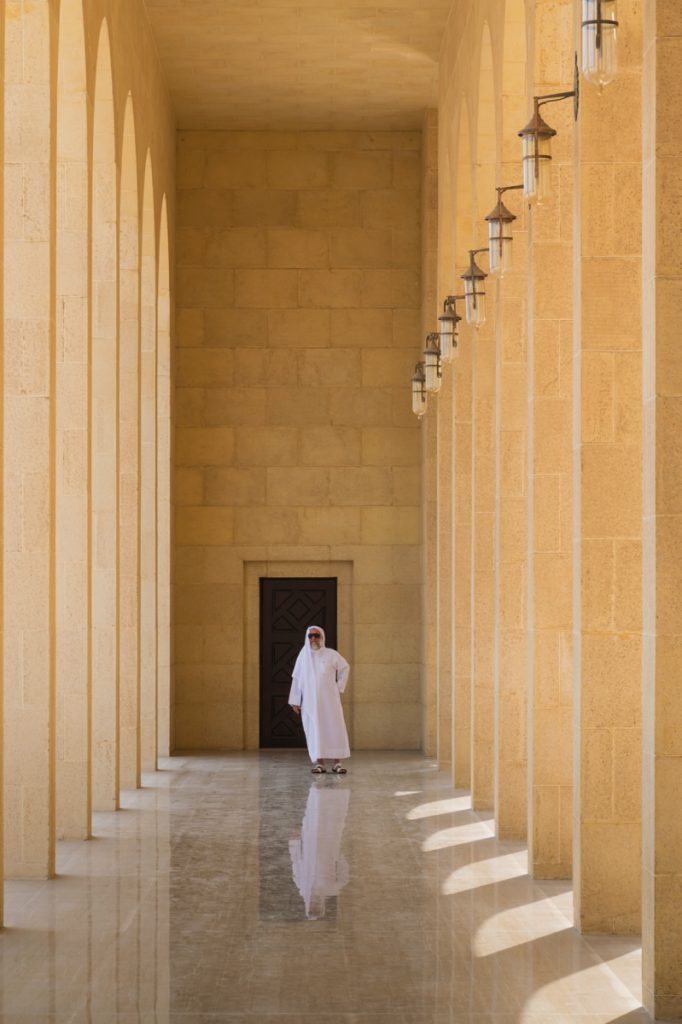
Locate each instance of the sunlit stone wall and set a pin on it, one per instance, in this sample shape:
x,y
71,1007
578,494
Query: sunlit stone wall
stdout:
x,y
298,311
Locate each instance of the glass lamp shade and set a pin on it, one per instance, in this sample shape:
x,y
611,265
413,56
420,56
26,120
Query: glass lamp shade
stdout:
x,y
418,392
447,324
432,374
536,140
599,53
474,303
500,237
499,246
474,294
537,173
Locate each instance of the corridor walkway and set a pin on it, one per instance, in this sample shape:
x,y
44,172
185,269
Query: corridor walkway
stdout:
x,y
240,889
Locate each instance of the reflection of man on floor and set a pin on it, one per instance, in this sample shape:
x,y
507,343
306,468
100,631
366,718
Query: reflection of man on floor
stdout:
x,y
318,866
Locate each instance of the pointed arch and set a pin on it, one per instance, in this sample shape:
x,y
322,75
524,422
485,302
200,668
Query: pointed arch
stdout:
x,y
74,798
104,442
129,458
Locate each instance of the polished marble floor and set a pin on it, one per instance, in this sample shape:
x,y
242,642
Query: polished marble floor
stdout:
x,y
241,889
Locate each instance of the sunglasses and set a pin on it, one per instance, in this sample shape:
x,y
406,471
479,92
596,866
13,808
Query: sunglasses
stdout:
x,y
314,636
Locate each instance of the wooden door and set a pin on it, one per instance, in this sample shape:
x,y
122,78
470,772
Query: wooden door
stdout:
x,y
287,607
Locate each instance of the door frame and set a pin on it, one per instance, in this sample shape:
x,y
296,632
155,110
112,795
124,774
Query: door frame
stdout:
x,y
268,584
343,571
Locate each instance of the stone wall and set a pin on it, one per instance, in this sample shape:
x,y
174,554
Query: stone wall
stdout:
x,y
298,320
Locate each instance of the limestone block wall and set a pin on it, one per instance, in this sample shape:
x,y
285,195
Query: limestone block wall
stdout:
x,y
298,309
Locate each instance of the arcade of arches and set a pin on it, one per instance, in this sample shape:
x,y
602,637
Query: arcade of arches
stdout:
x,y
215,289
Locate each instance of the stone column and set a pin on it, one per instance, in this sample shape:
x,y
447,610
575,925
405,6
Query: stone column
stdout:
x,y
72,548
129,466
446,450
662,581
510,733
28,436
608,496
550,486
513,488
164,369
462,607
429,554
444,494
485,576
550,668
460,178
484,569
2,482
148,639
512,510
429,429
104,446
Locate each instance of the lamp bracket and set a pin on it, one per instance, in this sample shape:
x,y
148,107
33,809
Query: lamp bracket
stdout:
x,y
555,97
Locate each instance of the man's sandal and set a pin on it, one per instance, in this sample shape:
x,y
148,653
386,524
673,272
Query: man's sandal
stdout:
x,y
338,769
319,769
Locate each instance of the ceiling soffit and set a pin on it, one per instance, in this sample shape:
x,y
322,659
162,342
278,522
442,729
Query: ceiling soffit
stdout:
x,y
339,64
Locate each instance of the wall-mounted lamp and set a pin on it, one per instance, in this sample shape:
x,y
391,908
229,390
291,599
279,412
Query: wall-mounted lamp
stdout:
x,y
447,328
419,391
474,291
536,140
499,234
599,55
432,364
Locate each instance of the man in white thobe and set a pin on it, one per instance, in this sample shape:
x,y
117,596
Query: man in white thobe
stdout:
x,y
319,678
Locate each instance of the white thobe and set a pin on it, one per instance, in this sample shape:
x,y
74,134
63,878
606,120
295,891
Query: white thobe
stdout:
x,y
318,692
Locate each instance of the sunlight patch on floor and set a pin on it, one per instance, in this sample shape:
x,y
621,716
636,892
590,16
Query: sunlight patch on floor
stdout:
x,y
436,807
484,872
470,832
517,926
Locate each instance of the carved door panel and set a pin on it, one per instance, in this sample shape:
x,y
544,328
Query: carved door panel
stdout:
x,y
287,607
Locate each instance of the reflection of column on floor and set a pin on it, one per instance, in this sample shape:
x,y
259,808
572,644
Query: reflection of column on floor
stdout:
x,y
319,868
